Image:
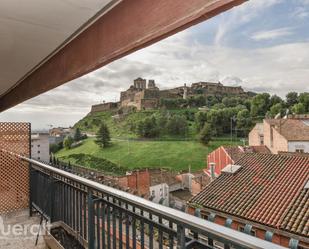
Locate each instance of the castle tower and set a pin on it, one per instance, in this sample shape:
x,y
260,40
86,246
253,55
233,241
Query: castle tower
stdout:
x,y
185,92
140,83
151,84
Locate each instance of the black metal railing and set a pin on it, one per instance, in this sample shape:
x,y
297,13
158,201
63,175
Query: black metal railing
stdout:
x,y
105,217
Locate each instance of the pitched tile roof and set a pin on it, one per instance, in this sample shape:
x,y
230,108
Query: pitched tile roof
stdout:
x,y
236,152
268,189
291,129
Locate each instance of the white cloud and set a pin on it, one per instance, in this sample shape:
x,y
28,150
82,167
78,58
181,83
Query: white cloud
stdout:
x,y
241,15
172,62
271,34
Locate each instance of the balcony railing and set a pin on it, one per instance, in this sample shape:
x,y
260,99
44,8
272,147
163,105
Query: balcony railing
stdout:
x,y
105,217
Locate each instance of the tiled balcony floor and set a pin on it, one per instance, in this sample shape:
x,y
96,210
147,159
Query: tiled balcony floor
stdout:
x,y
23,224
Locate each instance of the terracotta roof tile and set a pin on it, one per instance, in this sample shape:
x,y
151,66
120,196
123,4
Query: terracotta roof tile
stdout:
x,y
268,189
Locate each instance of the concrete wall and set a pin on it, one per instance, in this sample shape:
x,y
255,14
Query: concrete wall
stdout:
x,y
160,191
255,139
273,140
196,186
40,147
298,145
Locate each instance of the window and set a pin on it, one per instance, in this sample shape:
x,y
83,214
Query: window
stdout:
x,y
39,158
39,145
153,193
261,140
39,152
299,151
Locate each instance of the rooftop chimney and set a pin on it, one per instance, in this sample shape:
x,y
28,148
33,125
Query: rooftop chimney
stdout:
x,y
212,171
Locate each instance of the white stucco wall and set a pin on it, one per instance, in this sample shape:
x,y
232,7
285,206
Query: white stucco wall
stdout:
x,y
294,145
40,147
160,191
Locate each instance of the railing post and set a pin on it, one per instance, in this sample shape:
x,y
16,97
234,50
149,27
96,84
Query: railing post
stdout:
x,y
30,189
181,241
91,229
51,197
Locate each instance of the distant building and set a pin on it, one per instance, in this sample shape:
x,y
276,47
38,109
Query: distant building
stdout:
x,y
57,134
105,107
143,97
256,135
283,135
40,146
159,193
264,195
225,155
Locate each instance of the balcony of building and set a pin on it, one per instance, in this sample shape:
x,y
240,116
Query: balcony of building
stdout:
x,y
78,39
95,215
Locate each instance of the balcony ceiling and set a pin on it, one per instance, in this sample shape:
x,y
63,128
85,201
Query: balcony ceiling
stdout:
x,y
32,30
46,43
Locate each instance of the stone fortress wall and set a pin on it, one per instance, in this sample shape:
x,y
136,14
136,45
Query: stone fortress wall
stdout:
x,y
144,97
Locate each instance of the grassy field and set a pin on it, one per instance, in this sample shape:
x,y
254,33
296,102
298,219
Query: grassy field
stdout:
x,y
173,155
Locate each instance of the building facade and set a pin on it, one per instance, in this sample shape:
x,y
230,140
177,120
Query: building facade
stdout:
x,y
283,135
40,146
256,135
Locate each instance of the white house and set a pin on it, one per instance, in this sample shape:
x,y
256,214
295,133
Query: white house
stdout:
x,y
40,146
160,194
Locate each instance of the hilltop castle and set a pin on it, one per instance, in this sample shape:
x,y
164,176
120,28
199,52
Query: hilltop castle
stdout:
x,y
143,96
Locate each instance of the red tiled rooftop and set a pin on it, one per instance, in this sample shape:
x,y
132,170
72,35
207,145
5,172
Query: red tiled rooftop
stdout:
x,y
268,189
291,129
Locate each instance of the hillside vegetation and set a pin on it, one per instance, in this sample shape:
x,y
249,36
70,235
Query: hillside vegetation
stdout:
x,y
131,154
125,125
172,136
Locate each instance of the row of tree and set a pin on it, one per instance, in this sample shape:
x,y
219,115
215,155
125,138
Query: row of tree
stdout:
x,y
162,124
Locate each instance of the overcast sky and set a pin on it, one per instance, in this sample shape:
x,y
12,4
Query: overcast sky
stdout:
x,y
263,45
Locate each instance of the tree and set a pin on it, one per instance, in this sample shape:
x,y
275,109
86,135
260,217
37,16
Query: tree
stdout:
x,y
67,142
299,108
77,135
200,119
291,98
244,121
177,125
304,99
274,99
103,136
276,109
148,128
260,104
206,133
231,101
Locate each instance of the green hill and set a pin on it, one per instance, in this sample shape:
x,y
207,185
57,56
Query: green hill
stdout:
x,y
131,151
132,154
124,126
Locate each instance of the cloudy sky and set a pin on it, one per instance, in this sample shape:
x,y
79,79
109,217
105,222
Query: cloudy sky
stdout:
x,y
262,45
